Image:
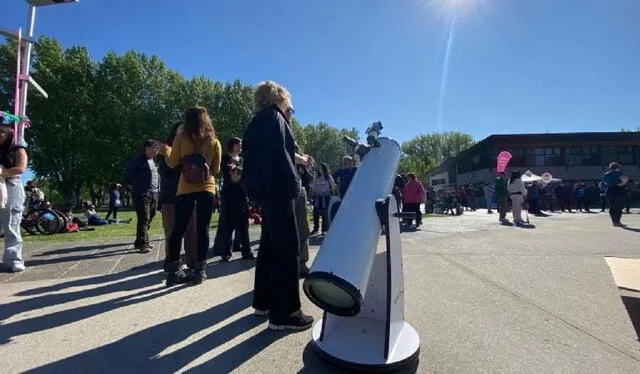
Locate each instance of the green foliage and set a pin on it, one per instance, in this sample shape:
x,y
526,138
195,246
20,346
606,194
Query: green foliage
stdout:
x,y
99,112
425,152
325,143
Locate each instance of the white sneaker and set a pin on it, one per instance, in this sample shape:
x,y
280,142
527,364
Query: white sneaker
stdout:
x,y
17,267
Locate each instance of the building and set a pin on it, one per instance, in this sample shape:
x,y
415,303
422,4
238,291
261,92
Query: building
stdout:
x,y
569,156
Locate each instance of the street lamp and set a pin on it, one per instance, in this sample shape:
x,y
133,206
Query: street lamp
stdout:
x,y
24,67
49,2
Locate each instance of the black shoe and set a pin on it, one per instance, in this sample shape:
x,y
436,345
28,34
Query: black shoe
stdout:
x,y
248,256
226,258
238,249
176,275
144,249
199,273
297,321
304,271
314,231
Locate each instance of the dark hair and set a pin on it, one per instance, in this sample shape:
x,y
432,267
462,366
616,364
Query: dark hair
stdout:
x,y
6,146
515,175
232,142
113,186
411,176
614,166
173,132
325,170
147,143
197,123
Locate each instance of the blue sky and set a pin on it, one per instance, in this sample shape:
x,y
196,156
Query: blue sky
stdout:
x,y
514,66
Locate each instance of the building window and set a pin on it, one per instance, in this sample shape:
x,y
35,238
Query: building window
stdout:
x,y
583,156
464,166
479,162
623,155
438,182
546,157
518,157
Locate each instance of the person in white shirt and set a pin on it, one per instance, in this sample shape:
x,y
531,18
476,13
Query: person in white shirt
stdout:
x,y
518,193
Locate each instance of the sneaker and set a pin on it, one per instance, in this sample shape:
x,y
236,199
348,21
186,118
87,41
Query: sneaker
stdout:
x,y
304,271
226,258
297,321
145,249
17,267
260,313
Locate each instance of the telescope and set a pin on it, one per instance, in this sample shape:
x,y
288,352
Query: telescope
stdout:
x,y
361,288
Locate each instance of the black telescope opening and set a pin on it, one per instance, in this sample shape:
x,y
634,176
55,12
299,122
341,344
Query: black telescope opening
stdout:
x,y
332,294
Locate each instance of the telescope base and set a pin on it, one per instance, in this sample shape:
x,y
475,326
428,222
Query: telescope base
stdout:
x,y
356,345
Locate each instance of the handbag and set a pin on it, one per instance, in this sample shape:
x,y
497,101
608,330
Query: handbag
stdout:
x,y
195,167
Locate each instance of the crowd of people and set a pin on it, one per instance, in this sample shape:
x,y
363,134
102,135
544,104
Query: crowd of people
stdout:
x,y
265,176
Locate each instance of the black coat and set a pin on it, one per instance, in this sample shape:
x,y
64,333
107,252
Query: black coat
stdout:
x,y
269,172
138,175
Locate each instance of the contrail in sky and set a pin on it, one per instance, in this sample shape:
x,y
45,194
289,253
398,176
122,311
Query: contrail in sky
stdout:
x,y
445,69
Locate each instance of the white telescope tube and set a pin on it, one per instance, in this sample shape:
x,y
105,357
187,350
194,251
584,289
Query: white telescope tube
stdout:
x,y
339,276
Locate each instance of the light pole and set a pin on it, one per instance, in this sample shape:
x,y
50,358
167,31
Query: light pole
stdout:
x,y
24,63
26,68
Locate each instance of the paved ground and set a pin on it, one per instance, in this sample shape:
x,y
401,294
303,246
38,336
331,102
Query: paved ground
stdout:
x,y
484,298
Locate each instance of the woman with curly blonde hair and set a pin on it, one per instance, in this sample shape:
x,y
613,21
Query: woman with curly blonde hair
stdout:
x,y
271,180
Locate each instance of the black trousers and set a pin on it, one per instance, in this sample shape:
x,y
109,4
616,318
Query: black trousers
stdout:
x,y
581,202
203,202
415,208
146,206
564,204
232,219
112,210
276,286
616,197
603,201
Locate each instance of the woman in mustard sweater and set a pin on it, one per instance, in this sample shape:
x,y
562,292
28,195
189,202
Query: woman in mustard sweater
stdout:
x,y
197,150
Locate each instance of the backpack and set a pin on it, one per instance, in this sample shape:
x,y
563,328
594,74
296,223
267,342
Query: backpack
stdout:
x,y
195,167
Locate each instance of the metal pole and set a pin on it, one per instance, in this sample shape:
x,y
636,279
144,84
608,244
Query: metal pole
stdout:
x,y
26,65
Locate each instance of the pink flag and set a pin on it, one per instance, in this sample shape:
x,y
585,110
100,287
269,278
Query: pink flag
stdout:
x,y
503,161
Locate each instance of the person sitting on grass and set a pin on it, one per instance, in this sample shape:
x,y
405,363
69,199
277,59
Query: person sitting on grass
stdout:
x,y
94,218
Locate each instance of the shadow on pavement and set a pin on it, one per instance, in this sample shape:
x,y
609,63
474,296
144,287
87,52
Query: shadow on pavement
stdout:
x,y
90,256
75,249
143,351
630,228
68,316
633,309
313,363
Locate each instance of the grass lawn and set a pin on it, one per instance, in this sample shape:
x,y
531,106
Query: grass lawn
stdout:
x,y
124,230
107,232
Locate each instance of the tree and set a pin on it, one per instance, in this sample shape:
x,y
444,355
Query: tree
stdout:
x,y
99,112
325,143
425,152
60,142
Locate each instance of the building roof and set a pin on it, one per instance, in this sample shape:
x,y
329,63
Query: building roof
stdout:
x,y
503,141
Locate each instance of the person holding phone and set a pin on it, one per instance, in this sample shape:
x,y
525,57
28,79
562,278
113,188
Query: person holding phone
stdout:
x,y
144,181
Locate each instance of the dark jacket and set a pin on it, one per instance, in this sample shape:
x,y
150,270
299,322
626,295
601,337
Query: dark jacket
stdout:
x,y
138,175
226,163
269,171
168,182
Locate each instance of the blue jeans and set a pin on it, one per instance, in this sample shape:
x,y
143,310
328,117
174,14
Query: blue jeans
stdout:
x,y
10,218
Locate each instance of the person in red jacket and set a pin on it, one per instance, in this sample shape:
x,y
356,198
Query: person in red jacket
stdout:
x,y
413,195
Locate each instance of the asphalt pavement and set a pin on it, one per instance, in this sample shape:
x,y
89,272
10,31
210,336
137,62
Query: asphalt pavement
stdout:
x,y
484,297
